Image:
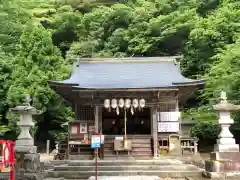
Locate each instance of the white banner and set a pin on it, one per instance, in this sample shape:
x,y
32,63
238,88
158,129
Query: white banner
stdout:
x,y
168,116
168,126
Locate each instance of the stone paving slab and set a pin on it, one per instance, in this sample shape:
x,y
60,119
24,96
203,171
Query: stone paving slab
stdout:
x,y
125,178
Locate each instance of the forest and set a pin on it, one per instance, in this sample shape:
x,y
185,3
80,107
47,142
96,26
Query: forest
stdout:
x,y
39,40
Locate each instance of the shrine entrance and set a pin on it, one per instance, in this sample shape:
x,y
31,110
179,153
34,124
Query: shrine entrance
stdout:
x,y
138,123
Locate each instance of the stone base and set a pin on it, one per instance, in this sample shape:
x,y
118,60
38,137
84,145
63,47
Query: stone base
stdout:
x,y
226,141
125,178
215,175
226,147
226,156
222,166
25,142
26,149
223,162
27,163
28,176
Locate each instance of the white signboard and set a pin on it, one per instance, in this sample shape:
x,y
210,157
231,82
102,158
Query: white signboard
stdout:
x,y
74,129
75,142
102,139
119,138
168,126
168,116
83,128
96,141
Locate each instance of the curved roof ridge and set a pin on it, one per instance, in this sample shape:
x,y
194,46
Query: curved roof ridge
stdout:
x,y
128,59
155,72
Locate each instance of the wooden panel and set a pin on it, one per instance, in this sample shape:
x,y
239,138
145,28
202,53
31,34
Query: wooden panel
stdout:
x,y
141,146
85,112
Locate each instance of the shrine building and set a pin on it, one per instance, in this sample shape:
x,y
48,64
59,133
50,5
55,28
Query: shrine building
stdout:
x,y
134,99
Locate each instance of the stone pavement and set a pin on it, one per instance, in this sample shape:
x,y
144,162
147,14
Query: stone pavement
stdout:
x,y
46,157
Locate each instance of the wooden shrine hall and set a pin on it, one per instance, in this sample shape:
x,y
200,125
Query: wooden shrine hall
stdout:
x,y
134,102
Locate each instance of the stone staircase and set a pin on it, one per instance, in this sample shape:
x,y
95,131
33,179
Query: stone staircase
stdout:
x,y
163,168
141,147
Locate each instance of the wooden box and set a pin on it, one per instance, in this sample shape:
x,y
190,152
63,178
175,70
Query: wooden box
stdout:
x,y
128,145
118,145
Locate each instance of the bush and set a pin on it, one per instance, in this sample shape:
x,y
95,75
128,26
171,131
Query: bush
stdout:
x,y
207,133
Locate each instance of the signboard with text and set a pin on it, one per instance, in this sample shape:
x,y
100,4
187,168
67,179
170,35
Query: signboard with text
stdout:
x,y
168,127
96,141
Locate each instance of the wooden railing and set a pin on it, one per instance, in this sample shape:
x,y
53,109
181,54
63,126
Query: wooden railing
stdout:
x,y
187,143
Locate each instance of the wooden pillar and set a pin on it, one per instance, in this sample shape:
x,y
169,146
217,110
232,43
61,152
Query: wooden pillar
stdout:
x,y
177,110
96,119
154,131
75,109
100,120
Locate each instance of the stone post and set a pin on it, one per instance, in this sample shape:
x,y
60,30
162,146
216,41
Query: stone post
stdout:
x,y
226,156
28,160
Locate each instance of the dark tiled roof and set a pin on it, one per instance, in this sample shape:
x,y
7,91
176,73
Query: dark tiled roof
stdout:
x,y
161,72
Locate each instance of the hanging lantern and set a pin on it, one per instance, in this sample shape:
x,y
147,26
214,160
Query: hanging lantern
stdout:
x,y
135,103
106,103
132,110
142,103
117,111
114,103
121,103
127,103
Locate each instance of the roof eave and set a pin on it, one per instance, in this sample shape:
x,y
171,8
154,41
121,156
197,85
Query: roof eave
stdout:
x,y
61,83
78,88
192,83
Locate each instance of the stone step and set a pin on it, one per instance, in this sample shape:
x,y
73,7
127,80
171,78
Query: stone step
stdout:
x,y
111,145
87,174
133,149
127,168
142,153
81,157
132,139
129,136
133,153
124,162
127,157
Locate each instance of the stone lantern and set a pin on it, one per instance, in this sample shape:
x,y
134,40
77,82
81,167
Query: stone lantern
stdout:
x,y
25,141
28,160
226,142
226,157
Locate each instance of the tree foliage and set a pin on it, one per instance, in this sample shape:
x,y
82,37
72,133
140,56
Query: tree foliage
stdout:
x,y
37,62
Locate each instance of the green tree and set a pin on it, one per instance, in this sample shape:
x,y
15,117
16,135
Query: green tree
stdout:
x,y
224,74
5,82
12,20
37,62
208,36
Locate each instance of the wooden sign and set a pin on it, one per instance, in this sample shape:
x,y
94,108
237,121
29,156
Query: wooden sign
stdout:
x,y
91,129
83,128
168,126
74,129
